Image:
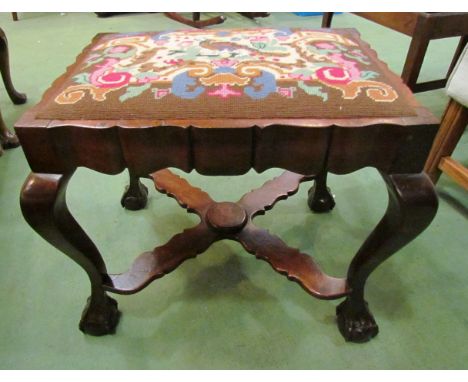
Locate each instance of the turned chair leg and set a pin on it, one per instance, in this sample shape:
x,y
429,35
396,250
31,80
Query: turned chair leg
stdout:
x,y
44,208
135,196
412,206
327,19
16,97
320,199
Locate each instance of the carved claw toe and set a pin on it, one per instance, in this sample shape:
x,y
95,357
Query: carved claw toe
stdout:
x,y
320,200
9,140
135,198
356,325
99,320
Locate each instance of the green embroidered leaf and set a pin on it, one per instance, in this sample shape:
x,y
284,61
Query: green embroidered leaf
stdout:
x,y
82,78
146,75
274,46
259,45
121,55
191,53
362,60
313,90
303,71
368,75
133,91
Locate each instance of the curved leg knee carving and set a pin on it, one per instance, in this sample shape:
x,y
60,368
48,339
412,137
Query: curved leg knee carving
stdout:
x,y
44,208
412,206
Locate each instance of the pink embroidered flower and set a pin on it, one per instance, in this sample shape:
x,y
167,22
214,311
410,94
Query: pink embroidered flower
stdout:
x,y
174,61
160,93
119,49
224,91
225,62
325,45
349,66
333,75
110,80
286,92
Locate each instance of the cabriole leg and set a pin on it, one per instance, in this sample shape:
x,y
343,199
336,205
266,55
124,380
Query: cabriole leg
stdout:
x,y
412,206
15,96
44,207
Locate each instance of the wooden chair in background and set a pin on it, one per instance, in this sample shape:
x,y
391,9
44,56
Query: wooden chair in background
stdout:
x,y
452,127
7,138
195,21
422,27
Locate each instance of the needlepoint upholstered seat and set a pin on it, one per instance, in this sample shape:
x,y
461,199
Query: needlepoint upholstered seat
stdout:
x,y
222,102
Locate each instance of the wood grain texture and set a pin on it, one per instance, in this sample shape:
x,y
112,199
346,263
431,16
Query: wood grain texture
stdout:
x,y
455,170
412,206
225,146
233,221
308,148
292,263
44,207
453,125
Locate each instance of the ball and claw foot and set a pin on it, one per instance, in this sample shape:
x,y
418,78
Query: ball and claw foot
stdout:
x,y
356,326
8,140
135,198
101,319
320,200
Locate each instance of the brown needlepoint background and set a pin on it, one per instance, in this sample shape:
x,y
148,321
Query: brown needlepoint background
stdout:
x,y
302,105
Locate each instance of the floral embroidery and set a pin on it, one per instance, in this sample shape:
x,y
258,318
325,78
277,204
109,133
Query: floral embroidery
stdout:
x,y
233,67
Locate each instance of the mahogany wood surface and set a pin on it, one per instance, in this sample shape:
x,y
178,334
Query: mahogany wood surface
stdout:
x,y
113,145
233,221
7,138
411,207
422,27
307,148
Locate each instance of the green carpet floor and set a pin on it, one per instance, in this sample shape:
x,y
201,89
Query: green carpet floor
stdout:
x,y
225,309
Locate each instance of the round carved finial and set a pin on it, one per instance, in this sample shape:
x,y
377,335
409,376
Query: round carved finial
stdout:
x,y
226,217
